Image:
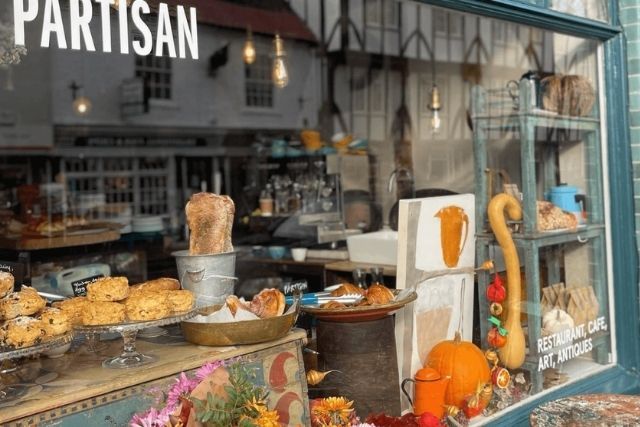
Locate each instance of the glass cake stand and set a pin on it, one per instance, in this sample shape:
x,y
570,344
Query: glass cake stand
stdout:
x,y
130,357
7,366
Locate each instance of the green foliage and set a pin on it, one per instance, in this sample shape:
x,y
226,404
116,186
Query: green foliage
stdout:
x,y
236,410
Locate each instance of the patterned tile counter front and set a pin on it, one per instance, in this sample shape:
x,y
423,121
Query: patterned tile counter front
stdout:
x,y
75,390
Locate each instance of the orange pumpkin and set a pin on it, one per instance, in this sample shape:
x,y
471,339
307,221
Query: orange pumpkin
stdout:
x,y
464,363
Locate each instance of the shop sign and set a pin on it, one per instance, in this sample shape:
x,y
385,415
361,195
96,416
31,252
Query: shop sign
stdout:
x,y
81,15
568,343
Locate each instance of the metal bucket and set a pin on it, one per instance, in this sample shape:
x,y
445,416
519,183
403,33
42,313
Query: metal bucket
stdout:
x,y
211,278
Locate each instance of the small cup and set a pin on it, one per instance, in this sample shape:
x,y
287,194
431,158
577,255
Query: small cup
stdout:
x,y
299,254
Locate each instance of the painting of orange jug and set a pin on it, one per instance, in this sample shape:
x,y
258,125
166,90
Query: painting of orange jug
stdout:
x,y
454,229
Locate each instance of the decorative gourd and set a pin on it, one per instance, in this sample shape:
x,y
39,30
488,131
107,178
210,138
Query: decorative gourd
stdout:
x,y
464,363
512,354
556,320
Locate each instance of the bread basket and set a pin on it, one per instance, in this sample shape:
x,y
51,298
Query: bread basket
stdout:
x,y
241,332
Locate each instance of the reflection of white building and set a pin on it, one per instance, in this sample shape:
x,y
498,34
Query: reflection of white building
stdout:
x,y
199,112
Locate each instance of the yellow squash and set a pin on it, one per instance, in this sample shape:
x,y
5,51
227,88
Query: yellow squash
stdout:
x,y
512,354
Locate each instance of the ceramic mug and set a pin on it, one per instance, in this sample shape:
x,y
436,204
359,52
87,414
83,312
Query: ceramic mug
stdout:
x,y
299,254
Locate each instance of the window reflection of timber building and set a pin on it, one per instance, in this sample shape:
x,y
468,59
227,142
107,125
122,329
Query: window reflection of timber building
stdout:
x,y
362,66
158,128
381,60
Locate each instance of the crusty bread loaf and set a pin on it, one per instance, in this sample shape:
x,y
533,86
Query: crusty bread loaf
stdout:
x,y
210,220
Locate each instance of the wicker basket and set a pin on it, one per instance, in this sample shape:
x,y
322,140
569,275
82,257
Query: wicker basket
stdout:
x,y
570,95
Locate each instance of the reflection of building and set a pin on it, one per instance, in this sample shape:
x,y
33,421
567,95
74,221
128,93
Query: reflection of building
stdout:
x,y
383,57
193,117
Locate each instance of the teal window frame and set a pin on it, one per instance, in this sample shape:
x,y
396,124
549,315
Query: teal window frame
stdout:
x,y
624,376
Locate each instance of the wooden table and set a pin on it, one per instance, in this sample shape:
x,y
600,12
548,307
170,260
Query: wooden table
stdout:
x,y
588,410
75,390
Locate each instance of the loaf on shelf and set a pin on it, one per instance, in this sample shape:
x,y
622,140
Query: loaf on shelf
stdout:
x,y
210,220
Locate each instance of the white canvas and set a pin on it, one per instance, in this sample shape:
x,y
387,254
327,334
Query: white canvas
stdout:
x,y
444,304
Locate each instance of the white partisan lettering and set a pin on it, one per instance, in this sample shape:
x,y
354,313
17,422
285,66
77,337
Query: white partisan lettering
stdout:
x,y
80,20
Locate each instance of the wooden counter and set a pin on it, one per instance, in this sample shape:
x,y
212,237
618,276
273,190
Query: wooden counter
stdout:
x,y
75,390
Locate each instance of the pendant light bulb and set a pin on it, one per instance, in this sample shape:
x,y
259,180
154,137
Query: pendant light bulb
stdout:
x,y
280,72
116,4
82,106
249,51
435,107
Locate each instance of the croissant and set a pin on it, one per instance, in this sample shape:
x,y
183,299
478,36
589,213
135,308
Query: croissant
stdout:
x,y
347,288
268,303
379,294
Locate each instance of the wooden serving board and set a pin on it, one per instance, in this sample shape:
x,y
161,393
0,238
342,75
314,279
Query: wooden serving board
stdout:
x,y
32,242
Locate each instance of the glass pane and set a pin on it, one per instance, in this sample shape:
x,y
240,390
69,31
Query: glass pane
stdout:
x,y
592,9
400,101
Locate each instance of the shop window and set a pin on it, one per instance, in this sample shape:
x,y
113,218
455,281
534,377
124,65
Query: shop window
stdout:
x,y
157,75
258,83
592,9
381,13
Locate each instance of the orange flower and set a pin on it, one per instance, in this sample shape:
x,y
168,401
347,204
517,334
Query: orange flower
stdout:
x,y
333,411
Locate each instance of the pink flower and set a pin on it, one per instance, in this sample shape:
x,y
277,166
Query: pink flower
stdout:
x,y
208,368
151,418
182,387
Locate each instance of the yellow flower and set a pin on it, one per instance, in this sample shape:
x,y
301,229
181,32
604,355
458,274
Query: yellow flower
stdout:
x,y
268,419
336,410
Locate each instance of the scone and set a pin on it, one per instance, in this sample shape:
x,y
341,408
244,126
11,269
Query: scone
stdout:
x,y
161,284
55,321
148,305
180,300
24,332
23,303
97,313
73,308
108,289
6,283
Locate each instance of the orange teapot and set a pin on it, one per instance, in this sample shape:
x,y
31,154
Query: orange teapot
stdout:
x,y
428,393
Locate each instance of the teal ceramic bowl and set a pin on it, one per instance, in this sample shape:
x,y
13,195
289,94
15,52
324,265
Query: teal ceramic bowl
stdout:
x,y
277,252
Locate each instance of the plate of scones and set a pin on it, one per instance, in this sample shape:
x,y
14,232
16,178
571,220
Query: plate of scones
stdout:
x,y
28,326
112,304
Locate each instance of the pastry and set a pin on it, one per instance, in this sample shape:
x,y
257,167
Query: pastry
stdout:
x,y
23,303
108,289
6,283
210,220
551,217
102,313
347,288
73,307
268,303
180,301
234,303
161,284
379,294
24,331
148,305
333,305
55,321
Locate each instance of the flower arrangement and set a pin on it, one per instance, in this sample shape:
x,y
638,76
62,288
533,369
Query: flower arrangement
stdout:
x,y
220,394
